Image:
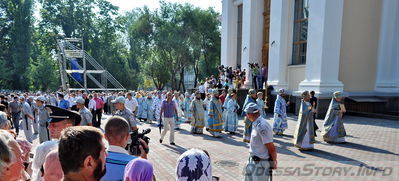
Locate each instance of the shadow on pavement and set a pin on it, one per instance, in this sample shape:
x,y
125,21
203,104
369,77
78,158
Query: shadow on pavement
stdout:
x,y
176,148
225,138
365,148
334,157
283,148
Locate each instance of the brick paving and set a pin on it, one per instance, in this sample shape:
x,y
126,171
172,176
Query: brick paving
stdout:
x,y
372,153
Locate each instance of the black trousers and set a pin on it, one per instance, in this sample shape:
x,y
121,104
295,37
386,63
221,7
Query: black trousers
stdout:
x,y
93,119
203,96
99,113
106,110
314,124
254,84
15,120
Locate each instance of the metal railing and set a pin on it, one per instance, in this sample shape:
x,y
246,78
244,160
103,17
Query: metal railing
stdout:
x,y
105,75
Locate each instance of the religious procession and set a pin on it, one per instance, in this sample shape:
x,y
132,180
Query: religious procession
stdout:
x,y
41,114
210,90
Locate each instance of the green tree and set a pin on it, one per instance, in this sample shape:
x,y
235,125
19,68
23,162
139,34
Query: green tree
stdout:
x,y
183,36
19,14
99,24
154,68
43,75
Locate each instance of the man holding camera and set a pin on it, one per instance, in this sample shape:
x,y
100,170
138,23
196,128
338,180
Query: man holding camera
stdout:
x,y
263,155
117,135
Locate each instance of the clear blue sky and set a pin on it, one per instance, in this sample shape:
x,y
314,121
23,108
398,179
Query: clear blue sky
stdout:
x,y
127,5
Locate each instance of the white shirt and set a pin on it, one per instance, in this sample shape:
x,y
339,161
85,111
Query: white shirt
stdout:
x,y
72,101
92,105
261,134
201,89
131,104
117,149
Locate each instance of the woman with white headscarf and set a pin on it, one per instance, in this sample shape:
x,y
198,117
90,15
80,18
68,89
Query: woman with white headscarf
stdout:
x,y
194,165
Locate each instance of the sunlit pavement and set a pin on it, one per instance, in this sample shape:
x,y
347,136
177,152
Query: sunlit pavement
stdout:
x,y
371,152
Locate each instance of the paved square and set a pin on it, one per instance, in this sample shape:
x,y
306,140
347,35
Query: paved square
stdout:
x,y
372,153
371,142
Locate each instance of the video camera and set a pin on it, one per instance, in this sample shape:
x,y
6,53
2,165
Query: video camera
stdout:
x,y
252,65
134,145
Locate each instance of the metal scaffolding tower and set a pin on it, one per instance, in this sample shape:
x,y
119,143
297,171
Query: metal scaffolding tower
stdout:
x,y
87,66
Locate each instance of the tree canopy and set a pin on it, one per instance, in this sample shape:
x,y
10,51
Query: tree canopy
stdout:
x,y
140,47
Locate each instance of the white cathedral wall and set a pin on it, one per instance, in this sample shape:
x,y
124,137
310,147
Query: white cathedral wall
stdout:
x,y
360,67
229,34
252,35
296,74
388,54
359,45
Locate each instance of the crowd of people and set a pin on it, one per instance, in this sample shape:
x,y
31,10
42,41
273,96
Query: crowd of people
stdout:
x,y
229,78
72,147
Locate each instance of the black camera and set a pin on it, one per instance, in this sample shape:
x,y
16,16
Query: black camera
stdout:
x,y
251,65
134,145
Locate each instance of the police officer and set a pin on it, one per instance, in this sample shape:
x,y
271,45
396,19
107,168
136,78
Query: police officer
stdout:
x,y
125,112
85,114
27,117
59,119
263,155
43,116
15,109
63,103
33,107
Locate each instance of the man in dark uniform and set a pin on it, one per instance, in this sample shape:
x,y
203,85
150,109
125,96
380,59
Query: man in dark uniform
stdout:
x,y
59,120
87,100
313,102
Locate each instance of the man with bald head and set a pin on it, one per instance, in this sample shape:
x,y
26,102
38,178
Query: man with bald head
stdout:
x,y
117,135
52,167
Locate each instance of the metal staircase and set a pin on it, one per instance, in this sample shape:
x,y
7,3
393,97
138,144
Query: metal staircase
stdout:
x,y
72,48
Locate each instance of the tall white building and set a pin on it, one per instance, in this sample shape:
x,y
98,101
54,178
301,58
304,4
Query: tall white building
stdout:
x,y
320,45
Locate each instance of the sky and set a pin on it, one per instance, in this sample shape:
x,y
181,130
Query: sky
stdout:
x,y
127,5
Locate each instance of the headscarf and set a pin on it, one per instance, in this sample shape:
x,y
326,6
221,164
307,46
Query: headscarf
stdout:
x,y
215,91
337,94
305,94
251,91
281,91
139,170
194,165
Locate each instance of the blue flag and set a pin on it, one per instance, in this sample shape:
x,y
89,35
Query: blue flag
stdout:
x,y
75,66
